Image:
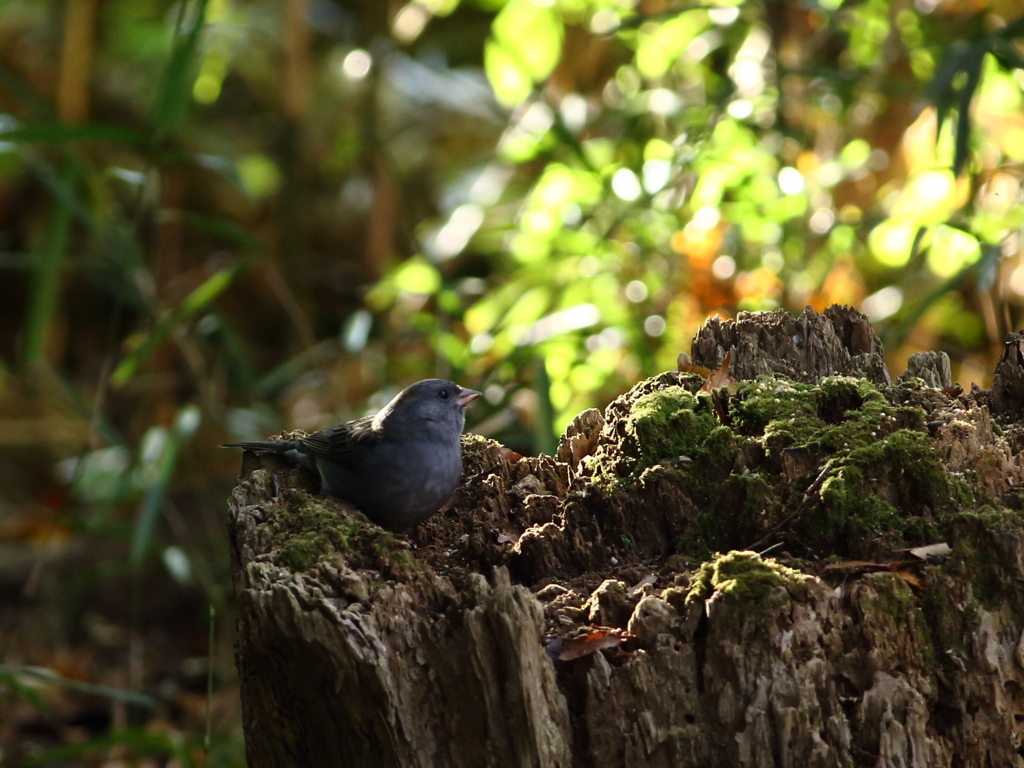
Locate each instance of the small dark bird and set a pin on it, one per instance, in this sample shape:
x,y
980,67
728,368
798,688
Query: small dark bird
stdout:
x,y
399,466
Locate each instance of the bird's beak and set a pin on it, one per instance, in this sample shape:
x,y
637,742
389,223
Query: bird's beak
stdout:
x,y
466,396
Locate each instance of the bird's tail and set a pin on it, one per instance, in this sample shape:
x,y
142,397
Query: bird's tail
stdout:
x,y
263,445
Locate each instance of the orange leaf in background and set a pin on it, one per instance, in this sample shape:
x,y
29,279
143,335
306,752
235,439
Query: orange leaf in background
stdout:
x,y
709,291
758,284
808,164
699,246
842,285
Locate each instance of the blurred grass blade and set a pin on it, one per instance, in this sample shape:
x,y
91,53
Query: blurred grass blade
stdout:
x,y
49,677
209,686
963,125
47,266
940,89
543,426
9,679
224,229
221,165
175,88
61,187
136,743
896,335
291,369
1007,55
38,108
988,266
962,57
55,133
235,355
86,409
185,426
197,300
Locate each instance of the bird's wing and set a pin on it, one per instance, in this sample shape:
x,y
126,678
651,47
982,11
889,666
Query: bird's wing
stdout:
x,y
344,444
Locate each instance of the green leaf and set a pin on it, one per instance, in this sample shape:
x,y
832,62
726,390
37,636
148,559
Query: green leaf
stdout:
x,y
963,127
511,83
175,89
221,165
49,677
166,463
896,335
961,57
56,133
952,250
290,370
40,109
259,175
224,229
544,440
135,742
532,35
61,186
1006,54
658,50
892,241
417,275
1012,30
47,266
197,300
20,689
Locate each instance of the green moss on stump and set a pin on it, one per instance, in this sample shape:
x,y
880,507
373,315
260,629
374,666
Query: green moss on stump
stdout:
x,y
308,531
982,534
845,467
665,425
744,576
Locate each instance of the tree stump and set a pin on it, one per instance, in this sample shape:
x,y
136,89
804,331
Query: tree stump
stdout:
x,y
608,606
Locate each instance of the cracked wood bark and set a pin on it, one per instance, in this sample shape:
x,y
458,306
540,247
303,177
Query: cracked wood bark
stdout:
x,y
449,647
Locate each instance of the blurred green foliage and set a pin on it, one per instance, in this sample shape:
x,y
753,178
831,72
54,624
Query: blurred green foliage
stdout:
x,y
656,163
252,215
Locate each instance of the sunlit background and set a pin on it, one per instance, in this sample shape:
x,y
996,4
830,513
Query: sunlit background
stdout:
x,y
220,219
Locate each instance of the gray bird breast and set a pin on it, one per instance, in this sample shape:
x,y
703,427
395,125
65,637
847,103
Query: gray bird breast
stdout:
x,y
401,484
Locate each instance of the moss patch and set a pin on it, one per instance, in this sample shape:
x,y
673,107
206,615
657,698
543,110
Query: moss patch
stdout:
x,y
307,530
744,576
986,539
842,466
665,425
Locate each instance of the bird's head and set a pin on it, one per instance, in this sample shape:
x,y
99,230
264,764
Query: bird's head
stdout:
x,y
429,407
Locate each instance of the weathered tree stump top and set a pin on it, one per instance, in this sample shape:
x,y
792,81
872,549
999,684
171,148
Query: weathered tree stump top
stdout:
x,y
572,610
803,348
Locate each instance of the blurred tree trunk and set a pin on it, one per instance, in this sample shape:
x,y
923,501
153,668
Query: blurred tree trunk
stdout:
x,y
554,617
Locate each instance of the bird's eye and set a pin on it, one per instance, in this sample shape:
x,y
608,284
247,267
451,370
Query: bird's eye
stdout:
x,y
443,394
